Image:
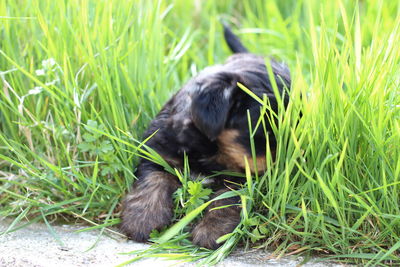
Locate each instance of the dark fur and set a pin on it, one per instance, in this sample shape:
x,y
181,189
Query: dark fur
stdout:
x,y
207,120
217,222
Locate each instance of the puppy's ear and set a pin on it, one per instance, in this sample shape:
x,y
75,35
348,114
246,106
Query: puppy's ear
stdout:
x,y
211,103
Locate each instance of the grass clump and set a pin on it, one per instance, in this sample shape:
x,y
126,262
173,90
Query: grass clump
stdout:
x,y
81,80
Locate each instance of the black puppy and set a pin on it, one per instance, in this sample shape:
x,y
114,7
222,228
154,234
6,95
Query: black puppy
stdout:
x,y
207,120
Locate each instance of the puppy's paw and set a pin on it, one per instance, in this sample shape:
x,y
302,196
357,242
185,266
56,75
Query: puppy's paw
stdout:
x,y
205,236
149,206
214,225
140,217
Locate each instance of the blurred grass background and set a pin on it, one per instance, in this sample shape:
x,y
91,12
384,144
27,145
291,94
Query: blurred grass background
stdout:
x,y
81,80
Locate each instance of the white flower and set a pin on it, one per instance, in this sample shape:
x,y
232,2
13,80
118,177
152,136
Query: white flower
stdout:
x,y
48,63
40,72
35,91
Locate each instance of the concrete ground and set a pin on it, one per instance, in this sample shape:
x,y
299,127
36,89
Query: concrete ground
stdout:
x,y
37,246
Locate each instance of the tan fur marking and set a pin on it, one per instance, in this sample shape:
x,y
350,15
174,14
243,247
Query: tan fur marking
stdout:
x,y
232,154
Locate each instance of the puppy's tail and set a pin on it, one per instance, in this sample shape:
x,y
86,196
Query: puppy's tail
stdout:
x,y
233,41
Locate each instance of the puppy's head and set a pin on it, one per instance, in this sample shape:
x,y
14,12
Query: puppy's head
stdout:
x,y
212,102
218,103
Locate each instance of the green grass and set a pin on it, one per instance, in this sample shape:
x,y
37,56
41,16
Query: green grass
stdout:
x,y
81,80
